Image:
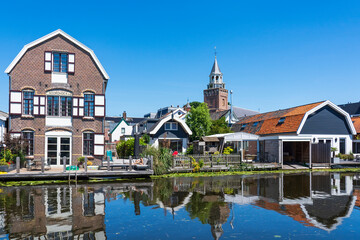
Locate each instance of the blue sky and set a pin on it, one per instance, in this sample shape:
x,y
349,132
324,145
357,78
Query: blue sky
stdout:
x,y
273,54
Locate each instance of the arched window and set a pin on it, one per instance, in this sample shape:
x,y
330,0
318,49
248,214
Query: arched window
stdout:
x,y
28,137
28,101
89,104
88,143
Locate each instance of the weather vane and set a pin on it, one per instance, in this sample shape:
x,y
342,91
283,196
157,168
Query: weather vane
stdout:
x,y
215,50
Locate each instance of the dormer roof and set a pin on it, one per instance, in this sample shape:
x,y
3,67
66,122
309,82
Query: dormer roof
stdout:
x,y
51,35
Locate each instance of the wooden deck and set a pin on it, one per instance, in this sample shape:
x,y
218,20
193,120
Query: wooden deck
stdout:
x,y
58,174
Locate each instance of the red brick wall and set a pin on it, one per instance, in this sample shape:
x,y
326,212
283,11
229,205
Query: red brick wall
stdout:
x,y
29,72
216,99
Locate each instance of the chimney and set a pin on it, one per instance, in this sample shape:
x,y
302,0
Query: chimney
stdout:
x,y
124,115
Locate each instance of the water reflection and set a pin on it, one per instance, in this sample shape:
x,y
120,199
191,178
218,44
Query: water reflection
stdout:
x,y
316,200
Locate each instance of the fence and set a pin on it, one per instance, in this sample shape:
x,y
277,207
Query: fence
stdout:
x,y
209,161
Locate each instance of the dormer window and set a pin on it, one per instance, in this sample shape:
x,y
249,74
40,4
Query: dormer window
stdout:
x,y
281,120
255,124
243,126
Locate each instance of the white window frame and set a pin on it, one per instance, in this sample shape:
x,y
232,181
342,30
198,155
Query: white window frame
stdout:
x,y
171,126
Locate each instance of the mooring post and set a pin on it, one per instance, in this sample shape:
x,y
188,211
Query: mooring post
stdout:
x,y
17,164
130,163
42,164
85,164
64,163
108,163
151,162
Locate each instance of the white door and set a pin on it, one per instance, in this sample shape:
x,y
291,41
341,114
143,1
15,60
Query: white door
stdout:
x,y
58,147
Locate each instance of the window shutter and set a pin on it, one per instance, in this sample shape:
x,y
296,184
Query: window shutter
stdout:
x,y
99,142
99,105
81,107
75,106
15,102
48,62
39,105
71,63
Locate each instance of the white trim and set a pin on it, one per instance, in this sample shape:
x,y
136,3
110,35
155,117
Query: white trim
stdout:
x,y
333,106
168,118
48,36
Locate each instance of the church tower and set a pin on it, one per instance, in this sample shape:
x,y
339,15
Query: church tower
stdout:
x,y
216,96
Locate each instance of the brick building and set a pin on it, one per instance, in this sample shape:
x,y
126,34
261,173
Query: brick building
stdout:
x,y
57,99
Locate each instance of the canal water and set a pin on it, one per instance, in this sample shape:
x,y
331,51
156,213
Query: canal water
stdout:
x,y
275,206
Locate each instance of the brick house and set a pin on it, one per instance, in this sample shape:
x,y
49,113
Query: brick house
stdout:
x,y
57,99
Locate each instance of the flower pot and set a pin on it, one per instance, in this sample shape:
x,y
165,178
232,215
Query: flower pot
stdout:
x,y
7,168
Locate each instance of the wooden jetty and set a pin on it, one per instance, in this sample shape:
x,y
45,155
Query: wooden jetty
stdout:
x,y
57,174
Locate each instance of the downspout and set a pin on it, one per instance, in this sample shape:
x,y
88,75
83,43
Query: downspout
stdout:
x,y
9,119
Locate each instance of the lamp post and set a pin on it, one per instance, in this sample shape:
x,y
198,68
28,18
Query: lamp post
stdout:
x,y
231,107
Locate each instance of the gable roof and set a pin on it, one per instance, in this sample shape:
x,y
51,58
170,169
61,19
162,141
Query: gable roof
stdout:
x,y
295,117
51,35
122,120
163,120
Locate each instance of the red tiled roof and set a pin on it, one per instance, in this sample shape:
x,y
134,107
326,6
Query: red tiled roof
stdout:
x,y
356,122
268,123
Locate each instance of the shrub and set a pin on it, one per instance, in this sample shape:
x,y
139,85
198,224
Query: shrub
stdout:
x,y
89,163
190,149
228,150
197,165
162,159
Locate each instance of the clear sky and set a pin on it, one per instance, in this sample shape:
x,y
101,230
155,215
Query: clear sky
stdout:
x,y
273,54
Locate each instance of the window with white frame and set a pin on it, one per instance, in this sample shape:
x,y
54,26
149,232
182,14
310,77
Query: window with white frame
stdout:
x,y
122,130
171,126
59,62
28,102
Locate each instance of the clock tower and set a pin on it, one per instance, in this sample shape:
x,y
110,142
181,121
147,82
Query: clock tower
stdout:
x,y
216,96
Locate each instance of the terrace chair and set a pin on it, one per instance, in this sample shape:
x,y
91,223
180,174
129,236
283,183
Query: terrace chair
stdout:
x,y
143,166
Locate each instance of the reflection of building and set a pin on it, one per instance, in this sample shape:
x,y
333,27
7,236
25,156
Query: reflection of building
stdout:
x,y
56,212
316,200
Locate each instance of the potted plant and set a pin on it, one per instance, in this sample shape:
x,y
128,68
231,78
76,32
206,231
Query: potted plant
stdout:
x,y
81,161
335,159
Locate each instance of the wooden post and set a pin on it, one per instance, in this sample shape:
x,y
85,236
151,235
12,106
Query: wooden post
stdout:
x,y
85,164
227,160
152,162
42,165
211,161
17,164
64,163
108,163
130,163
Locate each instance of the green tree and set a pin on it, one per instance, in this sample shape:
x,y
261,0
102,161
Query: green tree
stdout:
x,y
199,121
219,126
195,104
